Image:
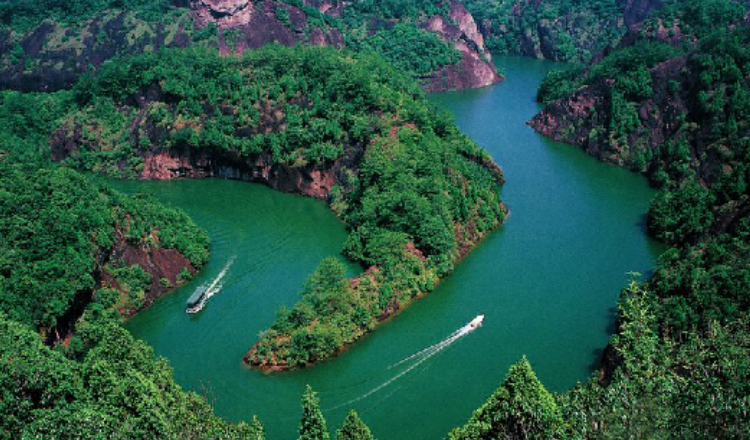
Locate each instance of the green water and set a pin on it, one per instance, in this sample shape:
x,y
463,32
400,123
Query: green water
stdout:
x,y
547,282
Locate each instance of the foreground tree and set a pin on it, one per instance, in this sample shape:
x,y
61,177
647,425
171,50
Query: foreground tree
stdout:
x,y
313,424
257,431
354,429
521,409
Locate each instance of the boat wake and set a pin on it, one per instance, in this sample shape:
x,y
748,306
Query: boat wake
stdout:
x,y
415,360
204,292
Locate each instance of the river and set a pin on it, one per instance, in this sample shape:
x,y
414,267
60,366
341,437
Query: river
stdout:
x,y
547,281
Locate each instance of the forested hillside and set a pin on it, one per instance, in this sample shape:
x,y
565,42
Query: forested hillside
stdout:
x,y
561,30
670,98
47,45
416,194
671,101
348,129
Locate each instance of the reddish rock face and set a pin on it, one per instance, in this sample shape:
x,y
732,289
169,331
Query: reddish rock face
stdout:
x,y
475,68
225,13
159,262
258,24
311,181
579,118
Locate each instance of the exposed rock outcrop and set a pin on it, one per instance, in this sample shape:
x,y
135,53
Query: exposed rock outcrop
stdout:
x,y
252,25
52,56
548,29
476,68
635,11
312,181
579,118
164,266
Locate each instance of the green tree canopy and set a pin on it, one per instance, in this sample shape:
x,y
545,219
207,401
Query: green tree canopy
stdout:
x,y
354,429
313,424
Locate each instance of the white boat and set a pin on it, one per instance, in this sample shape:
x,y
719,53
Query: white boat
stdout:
x,y
196,300
476,322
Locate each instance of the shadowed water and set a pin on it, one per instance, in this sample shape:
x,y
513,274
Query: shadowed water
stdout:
x,y
548,283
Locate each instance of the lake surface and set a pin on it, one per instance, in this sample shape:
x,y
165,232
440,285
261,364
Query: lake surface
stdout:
x,y
547,281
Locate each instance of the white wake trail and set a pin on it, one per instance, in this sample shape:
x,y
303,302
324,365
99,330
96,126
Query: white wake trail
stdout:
x,y
447,341
216,284
421,357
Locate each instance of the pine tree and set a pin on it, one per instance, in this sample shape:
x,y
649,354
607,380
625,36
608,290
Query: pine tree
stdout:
x,y
257,431
520,409
313,425
354,429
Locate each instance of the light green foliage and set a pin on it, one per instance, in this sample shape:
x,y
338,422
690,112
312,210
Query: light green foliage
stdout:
x,y
354,429
313,424
134,281
688,385
520,409
257,431
302,106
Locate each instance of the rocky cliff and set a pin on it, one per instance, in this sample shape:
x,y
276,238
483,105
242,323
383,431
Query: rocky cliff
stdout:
x,y
583,118
648,105
476,68
549,29
635,11
53,54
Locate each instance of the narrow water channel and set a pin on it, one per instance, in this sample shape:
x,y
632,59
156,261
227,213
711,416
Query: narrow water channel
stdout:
x,y
547,282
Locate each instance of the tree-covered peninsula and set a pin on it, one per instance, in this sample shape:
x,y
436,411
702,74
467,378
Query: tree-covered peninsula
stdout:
x,y
415,193
668,98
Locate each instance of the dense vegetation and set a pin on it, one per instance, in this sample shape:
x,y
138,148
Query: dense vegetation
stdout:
x,y
24,15
678,366
400,45
561,30
420,196
40,38
57,228
415,192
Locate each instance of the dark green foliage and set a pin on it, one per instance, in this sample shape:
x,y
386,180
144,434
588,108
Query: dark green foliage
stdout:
x,y
521,409
118,391
54,223
419,182
627,67
153,25
678,365
326,102
354,429
395,9
26,120
697,18
562,30
400,46
313,424
689,385
22,15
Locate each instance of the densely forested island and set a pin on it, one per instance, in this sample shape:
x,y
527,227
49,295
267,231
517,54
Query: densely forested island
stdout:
x,y
665,92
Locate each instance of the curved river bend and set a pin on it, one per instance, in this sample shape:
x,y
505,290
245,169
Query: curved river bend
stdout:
x,y
547,281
